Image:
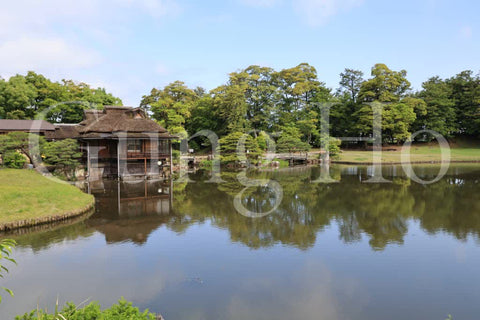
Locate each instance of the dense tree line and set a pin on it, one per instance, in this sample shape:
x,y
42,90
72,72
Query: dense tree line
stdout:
x,y
290,101
25,97
260,99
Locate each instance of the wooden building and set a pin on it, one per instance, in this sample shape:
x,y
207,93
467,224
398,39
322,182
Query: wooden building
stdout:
x,y
121,142
40,127
117,142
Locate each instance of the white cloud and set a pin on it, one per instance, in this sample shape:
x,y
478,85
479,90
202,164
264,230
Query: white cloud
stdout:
x,y
318,12
466,32
71,38
259,3
19,56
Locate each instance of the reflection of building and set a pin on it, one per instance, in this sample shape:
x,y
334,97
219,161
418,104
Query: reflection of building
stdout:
x,y
130,210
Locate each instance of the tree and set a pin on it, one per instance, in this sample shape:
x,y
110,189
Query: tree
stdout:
x,y
13,159
64,154
231,107
229,145
385,85
388,88
298,88
171,106
24,97
259,94
350,83
290,141
466,95
17,94
22,142
439,112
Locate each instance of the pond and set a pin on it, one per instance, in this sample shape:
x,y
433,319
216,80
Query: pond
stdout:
x,y
343,250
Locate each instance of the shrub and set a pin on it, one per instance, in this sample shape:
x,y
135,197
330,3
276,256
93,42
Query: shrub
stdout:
x,y
228,148
122,310
14,160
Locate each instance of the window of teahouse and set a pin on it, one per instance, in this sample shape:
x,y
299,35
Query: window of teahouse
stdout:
x,y
134,145
163,147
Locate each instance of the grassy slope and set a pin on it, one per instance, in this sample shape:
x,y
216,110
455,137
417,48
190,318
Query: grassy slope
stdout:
x,y
25,194
419,153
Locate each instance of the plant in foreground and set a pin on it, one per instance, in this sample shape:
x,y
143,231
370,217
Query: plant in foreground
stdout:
x,y
6,247
120,311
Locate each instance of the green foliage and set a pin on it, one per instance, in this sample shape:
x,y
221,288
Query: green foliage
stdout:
x,y
64,154
385,85
282,163
27,144
24,97
14,160
205,164
465,92
6,247
171,106
122,310
334,147
230,144
290,141
439,112
265,142
350,83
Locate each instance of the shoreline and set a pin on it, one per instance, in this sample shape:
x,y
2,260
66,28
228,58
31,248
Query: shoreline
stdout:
x,y
369,163
29,199
27,223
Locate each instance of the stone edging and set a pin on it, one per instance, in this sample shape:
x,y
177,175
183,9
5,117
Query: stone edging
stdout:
x,y
43,220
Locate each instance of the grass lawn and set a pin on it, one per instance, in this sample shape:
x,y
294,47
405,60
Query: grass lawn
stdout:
x,y
25,194
419,153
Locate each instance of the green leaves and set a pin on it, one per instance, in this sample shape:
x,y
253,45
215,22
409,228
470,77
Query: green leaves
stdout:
x,y
6,248
230,143
65,154
122,310
23,97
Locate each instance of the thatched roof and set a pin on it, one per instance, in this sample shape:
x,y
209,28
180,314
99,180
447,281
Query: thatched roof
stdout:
x,y
64,131
112,120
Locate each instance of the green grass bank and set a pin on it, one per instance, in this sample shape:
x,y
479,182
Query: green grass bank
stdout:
x,y
27,198
418,154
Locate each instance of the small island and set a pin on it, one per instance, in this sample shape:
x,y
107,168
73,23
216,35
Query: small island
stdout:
x,y
27,198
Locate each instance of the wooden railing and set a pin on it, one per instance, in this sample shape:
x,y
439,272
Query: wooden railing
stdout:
x,y
147,154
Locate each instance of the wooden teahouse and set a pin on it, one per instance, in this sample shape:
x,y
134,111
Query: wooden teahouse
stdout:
x,y
121,142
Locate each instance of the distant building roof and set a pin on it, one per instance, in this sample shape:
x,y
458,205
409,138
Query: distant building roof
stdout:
x,y
26,125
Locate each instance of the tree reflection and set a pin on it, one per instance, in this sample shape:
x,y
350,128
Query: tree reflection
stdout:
x,y
380,212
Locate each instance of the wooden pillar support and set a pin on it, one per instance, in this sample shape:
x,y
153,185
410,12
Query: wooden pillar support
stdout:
x,y
171,159
88,159
118,159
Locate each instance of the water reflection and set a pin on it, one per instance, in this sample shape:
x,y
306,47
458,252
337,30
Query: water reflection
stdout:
x,y
343,250
130,210
379,211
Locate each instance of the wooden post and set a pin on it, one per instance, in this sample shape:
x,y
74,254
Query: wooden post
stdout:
x,y
119,198
171,159
88,160
118,159
145,165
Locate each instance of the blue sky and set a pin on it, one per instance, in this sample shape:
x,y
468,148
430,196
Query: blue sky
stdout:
x,y
130,46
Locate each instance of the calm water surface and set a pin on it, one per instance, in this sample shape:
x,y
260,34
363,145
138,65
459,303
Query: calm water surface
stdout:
x,y
346,250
